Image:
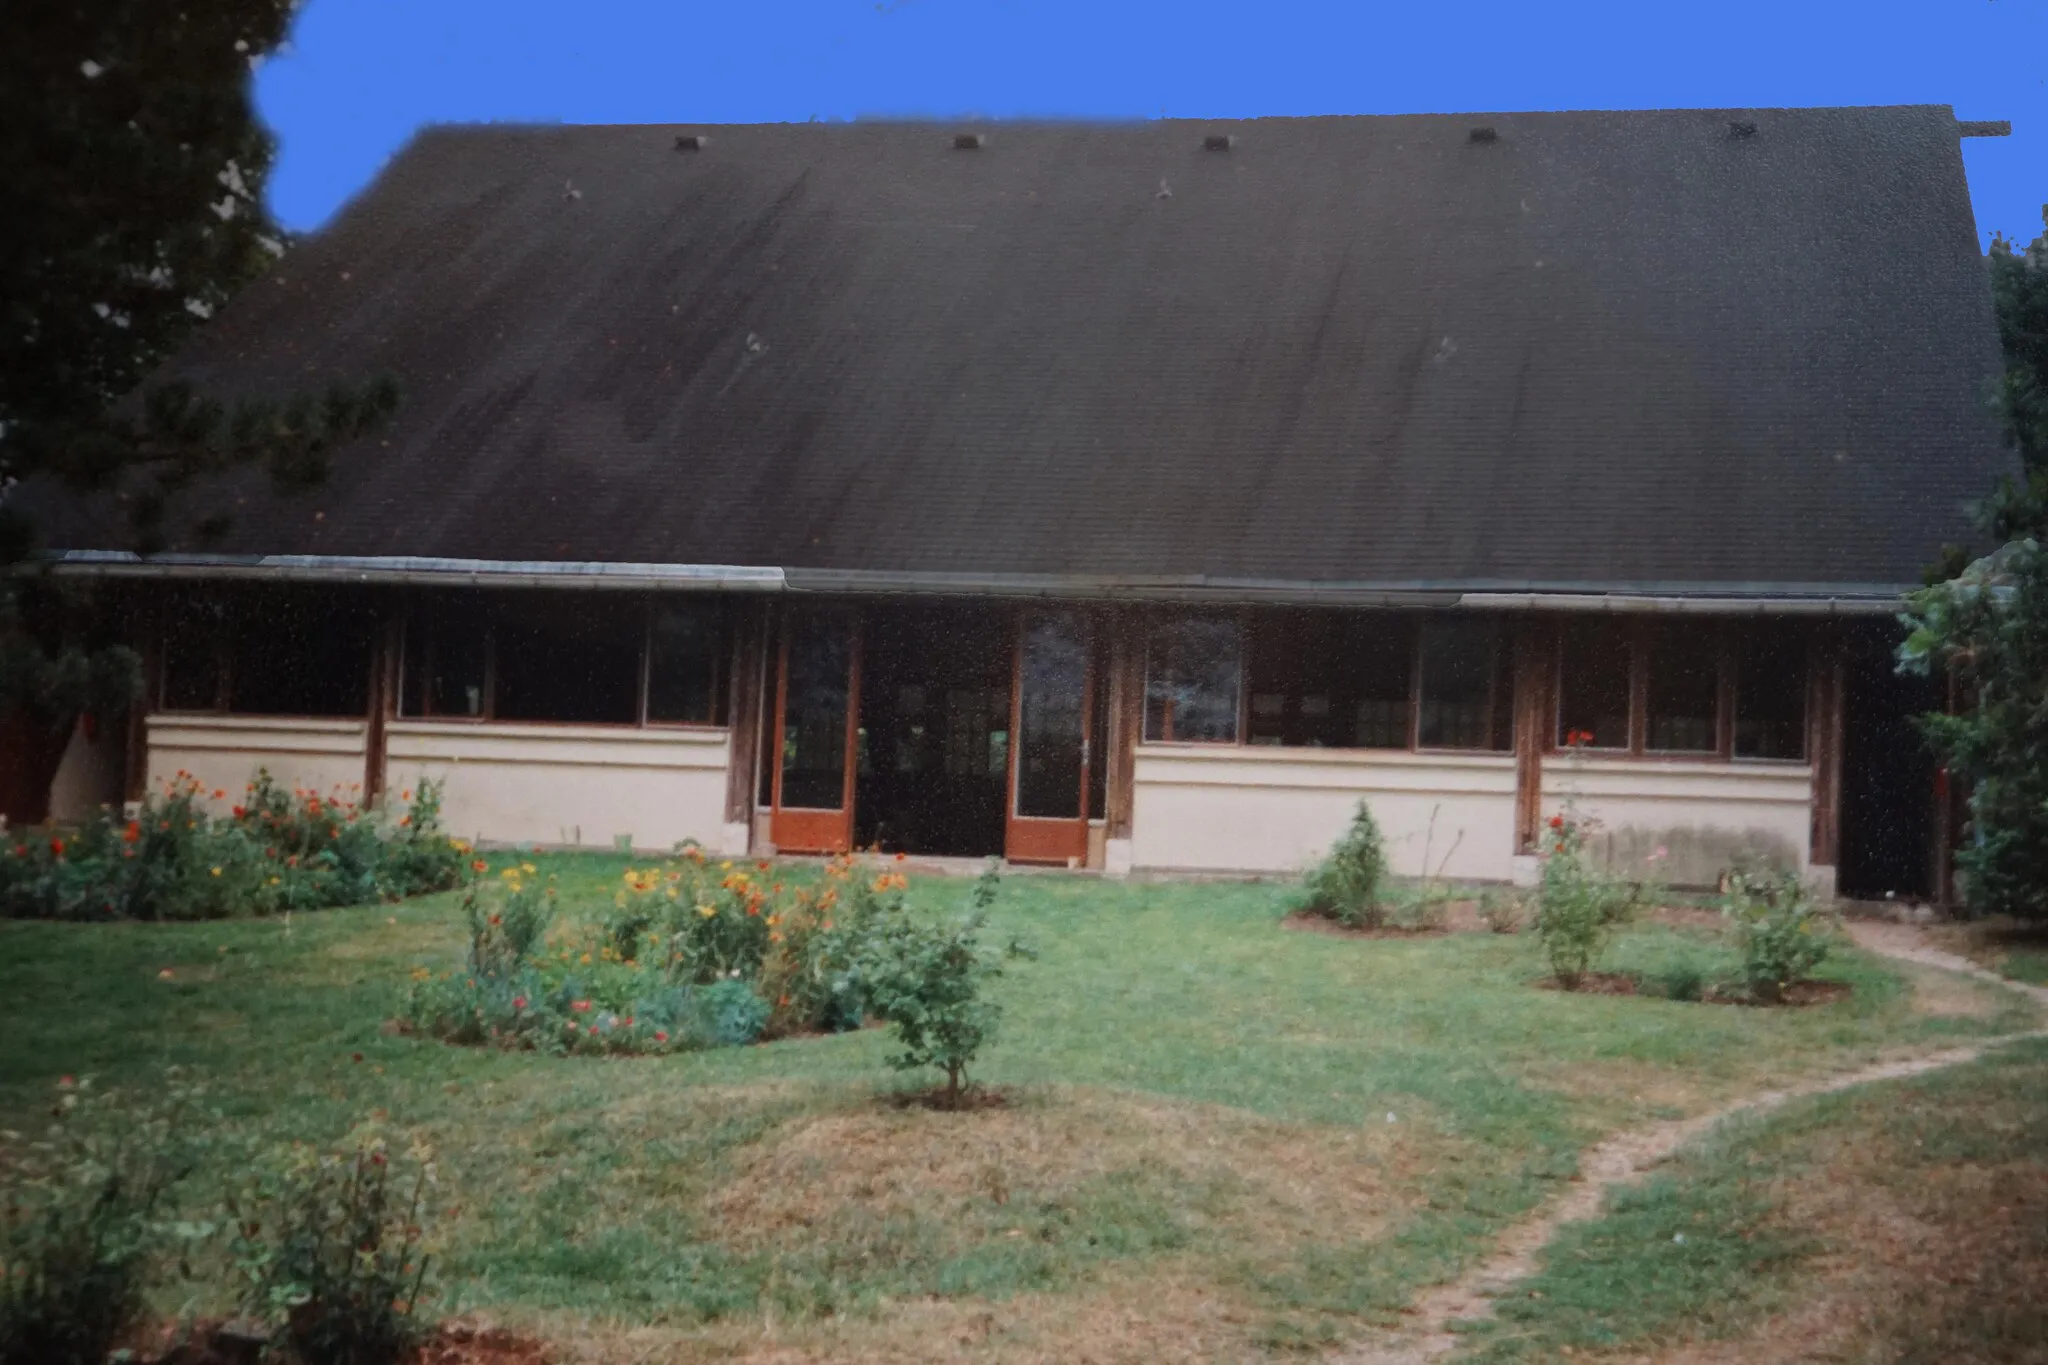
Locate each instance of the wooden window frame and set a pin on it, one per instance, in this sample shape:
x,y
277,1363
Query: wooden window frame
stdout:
x,y
1238,617
1493,683
1727,650
721,677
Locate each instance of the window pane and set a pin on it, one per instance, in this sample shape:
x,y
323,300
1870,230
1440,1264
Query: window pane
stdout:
x,y
573,662
814,713
1052,680
1330,679
191,678
1684,687
447,648
301,655
1593,683
1460,663
686,663
1770,693
1192,675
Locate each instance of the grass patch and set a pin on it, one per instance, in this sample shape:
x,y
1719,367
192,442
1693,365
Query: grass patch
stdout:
x,y
1902,1221
1279,1136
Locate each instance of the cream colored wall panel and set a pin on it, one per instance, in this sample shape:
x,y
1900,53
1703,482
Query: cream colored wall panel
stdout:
x,y
1257,809
1705,817
224,752
89,774
568,785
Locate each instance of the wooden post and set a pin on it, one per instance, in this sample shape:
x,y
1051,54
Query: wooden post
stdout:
x,y
743,712
1824,746
384,647
1126,721
1535,667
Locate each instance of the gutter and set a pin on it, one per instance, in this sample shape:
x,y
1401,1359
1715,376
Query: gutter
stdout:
x,y
1487,595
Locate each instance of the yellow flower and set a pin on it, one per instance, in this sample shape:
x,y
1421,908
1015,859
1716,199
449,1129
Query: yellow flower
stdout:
x,y
216,872
528,868
672,893
725,866
586,959
707,911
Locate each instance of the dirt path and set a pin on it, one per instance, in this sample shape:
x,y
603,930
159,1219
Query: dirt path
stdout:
x,y
1627,1156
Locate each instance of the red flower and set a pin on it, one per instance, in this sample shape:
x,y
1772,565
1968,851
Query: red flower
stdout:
x,y
219,794
132,833
660,1035
518,1002
1557,822
355,1056
241,811
580,1006
57,847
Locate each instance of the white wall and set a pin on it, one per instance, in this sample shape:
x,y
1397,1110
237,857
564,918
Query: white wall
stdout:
x,y
567,784
224,752
1707,816
1266,809
90,774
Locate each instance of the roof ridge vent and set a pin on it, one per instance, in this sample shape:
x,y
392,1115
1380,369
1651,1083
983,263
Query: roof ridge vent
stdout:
x,y
691,142
1742,127
1218,142
968,142
1483,133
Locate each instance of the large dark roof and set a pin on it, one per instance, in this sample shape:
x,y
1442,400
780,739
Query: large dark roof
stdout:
x,y
1599,349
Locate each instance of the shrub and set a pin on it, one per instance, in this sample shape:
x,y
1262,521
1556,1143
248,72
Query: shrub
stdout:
x,y
1345,886
1578,907
1502,912
1782,934
926,979
178,861
330,1248
82,1222
1680,981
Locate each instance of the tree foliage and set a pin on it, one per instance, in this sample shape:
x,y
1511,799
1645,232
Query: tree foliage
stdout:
x,y
131,210
1986,626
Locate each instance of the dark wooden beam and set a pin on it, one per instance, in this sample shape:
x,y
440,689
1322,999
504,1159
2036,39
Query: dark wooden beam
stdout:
x,y
384,648
1535,666
743,711
1824,746
1126,720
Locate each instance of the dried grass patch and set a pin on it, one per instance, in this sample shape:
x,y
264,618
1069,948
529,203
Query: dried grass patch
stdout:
x,y
1938,1261
1169,1314
1256,1181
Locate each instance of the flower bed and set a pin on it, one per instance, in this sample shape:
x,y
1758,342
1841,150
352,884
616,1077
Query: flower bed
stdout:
x,y
694,953
275,851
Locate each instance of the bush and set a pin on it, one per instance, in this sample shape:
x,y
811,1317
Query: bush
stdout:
x,y
1782,934
330,1248
277,851
82,1223
1578,907
1680,981
1345,886
925,980
1502,912
695,953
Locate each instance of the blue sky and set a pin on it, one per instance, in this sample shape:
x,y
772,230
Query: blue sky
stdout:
x,y
361,75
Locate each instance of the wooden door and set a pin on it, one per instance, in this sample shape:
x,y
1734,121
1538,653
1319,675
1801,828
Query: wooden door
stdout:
x,y
817,715
1050,722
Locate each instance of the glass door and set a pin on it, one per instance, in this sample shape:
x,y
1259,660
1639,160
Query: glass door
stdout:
x,y
1053,699
817,696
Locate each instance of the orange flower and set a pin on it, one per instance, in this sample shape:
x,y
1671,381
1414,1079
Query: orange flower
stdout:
x,y
219,794
132,833
477,865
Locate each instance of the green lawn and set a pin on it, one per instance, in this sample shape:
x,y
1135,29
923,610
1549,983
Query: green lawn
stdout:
x,y
1904,1221
1223,1137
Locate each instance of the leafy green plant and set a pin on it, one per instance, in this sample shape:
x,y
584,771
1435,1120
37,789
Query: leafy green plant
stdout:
x,y
1346,885
330,1248
503,933
926,980
1783,935
83,1220
1680,981
1501,911
179,860
1578,906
